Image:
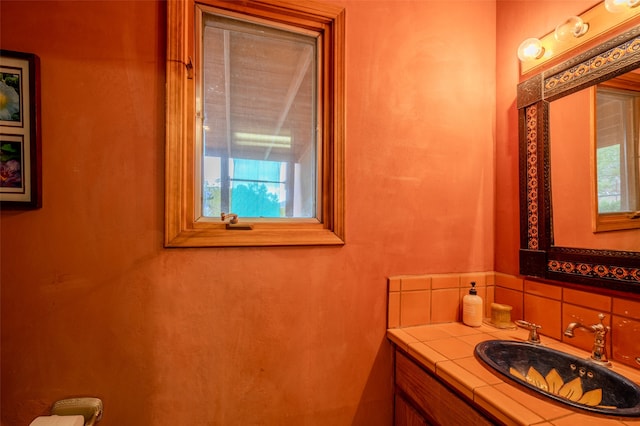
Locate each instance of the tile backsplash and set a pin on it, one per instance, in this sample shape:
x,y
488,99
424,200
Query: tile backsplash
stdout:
x,y
432,299
437,298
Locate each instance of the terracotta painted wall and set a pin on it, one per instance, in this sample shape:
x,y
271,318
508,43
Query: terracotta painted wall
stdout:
x,y
570,164
93,305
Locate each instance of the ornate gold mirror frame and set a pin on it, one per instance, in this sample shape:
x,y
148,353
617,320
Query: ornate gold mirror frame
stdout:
x,y
539,257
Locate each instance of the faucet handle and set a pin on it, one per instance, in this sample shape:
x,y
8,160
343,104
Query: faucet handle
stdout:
x,y
601,317
533,330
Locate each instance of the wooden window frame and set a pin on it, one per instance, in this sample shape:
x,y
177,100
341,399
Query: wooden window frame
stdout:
x,y
615,221
183,225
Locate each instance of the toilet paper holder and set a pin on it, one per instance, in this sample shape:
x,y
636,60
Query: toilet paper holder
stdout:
x,y
88,407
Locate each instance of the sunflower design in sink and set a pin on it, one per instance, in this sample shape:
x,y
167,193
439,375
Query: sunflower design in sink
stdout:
x,y
553,383
562,377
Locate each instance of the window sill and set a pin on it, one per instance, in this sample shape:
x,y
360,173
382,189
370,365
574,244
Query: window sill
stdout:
x,y
219,236
616,222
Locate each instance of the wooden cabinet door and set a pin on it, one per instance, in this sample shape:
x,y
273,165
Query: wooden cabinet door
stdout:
x,y
439,404
406,415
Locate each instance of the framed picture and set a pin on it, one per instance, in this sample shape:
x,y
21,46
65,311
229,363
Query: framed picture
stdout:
x,y
20,151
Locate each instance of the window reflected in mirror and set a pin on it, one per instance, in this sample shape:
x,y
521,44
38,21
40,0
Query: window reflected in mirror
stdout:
x,y
617,153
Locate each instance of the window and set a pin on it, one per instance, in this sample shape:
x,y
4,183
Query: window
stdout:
x,y
617,155
259,118
255,123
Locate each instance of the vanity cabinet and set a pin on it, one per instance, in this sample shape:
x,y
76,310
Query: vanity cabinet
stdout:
x,y
421,399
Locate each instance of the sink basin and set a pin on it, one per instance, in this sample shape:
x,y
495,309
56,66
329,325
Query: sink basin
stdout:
x,y
562,377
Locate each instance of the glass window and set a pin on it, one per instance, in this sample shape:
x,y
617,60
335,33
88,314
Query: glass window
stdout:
x,y
259,127
255,123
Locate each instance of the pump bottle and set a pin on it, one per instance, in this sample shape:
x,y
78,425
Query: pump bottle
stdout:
x,y
472,307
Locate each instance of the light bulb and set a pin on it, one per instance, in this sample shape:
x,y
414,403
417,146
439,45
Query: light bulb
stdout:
x,y
530,49
574,26
617,6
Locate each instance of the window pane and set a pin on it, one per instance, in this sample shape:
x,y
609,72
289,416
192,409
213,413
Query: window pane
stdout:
x,y
257,189
259,137
617,155
609,179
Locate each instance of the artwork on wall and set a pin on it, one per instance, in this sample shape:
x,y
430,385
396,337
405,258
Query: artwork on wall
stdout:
x,y
20,151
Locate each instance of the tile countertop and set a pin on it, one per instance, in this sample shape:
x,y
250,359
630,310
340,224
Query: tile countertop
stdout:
x,y
447,351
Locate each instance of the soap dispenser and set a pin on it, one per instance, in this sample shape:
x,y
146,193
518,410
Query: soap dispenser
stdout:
x,y
472,307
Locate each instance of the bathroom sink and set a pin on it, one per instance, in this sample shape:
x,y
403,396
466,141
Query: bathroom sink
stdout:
x,y
562,377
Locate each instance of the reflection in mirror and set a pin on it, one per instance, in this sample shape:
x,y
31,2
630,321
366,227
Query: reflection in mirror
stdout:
x,y
581,170
617,153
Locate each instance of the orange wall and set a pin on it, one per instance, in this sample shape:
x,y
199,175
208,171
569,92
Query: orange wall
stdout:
x,y
93,305
570,147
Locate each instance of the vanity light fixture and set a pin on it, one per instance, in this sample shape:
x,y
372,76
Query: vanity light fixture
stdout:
x,y
617,6
575,31
574,26
530,49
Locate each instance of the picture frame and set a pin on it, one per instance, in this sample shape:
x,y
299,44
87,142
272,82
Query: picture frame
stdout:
x,y
20,150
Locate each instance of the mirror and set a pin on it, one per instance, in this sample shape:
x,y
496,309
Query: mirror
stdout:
x,y
546,142
591,186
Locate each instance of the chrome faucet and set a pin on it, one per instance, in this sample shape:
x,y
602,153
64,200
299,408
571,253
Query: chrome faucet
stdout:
x,y
533,330
599,350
